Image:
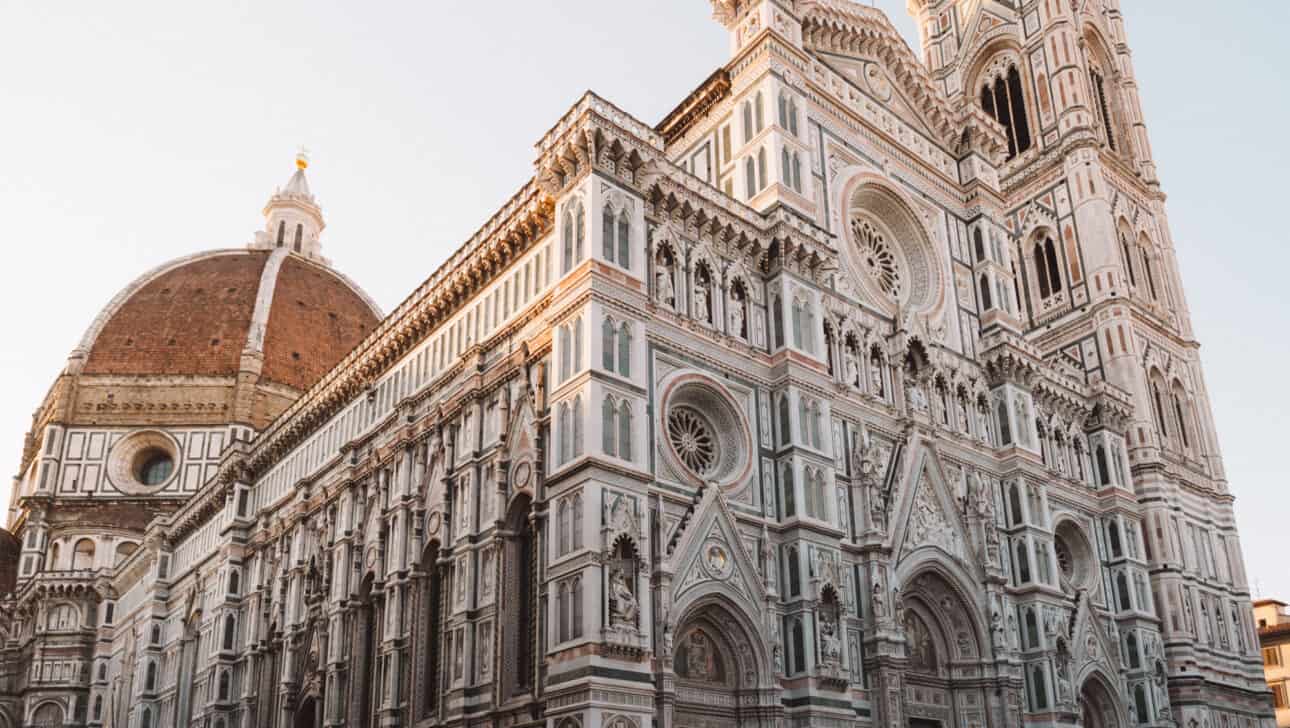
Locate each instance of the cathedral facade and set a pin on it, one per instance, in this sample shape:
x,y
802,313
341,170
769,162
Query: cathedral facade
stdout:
x,y
861,390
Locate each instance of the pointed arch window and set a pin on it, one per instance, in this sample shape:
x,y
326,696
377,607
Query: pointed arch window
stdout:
x,y
1160,411
788,113
607,232
566,262
799,311
759,111
624,240
577,426
1099,88
625,349
566,352
979,244
748,123
624,431
777,321
1128,261
566,434
609,426
575,615
1005,427
1003,100
790,496
150,677
750,177
986,303
230,632
1122,590
608,344
1023,563
300,232
282,233
1151,278
1182,419
1041,271
562,609
576,521
576,363
794,573
579,232
761,168
1103,472
785,429
562,527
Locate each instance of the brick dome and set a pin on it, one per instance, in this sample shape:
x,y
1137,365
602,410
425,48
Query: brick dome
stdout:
x,y
278,318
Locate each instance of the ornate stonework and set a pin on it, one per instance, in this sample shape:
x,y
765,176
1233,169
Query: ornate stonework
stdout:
x,y
857,392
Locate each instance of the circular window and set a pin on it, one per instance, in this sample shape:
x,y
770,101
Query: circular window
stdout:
x,y
888,252
692,438
154,467
707,438
1074,557
879,258
143,462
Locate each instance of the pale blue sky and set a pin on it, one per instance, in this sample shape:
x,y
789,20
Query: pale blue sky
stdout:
x,y
132,133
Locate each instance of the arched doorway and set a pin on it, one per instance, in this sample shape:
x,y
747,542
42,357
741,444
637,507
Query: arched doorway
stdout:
x,y
306,714
718,669
1097,705
944,651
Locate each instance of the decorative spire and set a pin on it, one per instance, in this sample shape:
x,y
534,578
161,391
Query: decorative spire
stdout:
x,y
293,219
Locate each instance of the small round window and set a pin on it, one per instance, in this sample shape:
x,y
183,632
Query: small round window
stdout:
x,y
155,466
143,462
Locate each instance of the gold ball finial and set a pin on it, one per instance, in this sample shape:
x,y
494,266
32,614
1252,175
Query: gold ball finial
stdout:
x,y
302,158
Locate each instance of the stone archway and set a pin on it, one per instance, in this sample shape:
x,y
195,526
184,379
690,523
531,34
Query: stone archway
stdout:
x,y
718,663
944,652
1097,704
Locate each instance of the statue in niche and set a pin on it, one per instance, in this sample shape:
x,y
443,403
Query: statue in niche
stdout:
x,y
664,286
852,369
702,311
922,651
875,376
830,644
737,316
879,603
623,606
917,398
868,464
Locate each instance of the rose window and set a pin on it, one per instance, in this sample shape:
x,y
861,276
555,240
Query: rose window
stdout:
x,y
693,439
878,257
703,433
1065,561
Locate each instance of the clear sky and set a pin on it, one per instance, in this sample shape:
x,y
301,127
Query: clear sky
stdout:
x,y
133,133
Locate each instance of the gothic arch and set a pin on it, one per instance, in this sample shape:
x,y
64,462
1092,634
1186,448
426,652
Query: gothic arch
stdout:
x,y
932,581
1098,701
721,616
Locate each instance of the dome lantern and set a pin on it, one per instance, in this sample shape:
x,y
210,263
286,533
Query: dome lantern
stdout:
x,y
293,219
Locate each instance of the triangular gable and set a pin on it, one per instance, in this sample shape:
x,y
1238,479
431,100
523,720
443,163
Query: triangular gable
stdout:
x,y
1089,643
711,551
927,515
837,31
